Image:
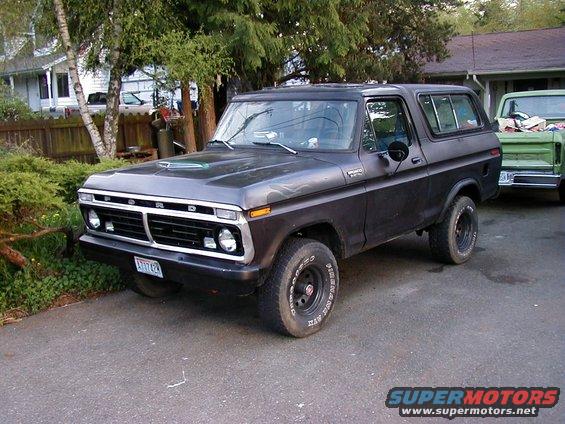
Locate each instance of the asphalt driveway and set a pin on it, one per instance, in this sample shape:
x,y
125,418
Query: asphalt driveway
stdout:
x,y
401,320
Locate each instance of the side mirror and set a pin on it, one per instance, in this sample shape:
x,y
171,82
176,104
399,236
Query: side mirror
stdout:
x,y
398,151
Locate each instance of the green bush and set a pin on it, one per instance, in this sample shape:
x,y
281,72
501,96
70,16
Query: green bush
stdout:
x,y
25,196
13,108
38,192
26,163
71,175
67,176
33,291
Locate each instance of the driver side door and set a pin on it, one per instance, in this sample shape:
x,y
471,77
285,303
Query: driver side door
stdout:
x,y
396,192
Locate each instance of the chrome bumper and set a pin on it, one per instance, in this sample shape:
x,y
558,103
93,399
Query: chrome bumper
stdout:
x,y
528,179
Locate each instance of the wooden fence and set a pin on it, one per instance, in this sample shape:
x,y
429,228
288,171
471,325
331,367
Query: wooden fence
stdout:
x,y
64,139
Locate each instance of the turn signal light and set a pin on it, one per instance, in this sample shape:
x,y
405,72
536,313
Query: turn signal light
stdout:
x,y
260,212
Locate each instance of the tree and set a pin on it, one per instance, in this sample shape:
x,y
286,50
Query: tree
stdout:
x,y
109,34
484,16
272,42
191,57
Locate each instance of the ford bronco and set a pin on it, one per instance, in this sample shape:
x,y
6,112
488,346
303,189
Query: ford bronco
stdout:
x,y
534,159
294,179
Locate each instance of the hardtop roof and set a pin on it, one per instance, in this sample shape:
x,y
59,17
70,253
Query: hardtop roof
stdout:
x,y
346,91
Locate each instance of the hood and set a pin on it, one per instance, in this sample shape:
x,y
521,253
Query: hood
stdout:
x,y
247,178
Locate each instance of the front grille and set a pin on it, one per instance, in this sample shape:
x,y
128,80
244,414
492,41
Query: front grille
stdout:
x,y
188,233
183,207
121,223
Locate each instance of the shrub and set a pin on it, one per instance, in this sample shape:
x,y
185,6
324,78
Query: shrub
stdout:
x,y
31,291
70,176
67,176
25,163
38,193
13,108
26,196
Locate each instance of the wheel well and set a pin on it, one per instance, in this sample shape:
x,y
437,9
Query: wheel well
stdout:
x,y
471,191
324,233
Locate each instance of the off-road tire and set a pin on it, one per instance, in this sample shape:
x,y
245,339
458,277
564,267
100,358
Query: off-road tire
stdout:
x,y
562,192
150,286
300,263
446,243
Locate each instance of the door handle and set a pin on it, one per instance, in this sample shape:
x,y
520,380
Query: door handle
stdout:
x,y
416,160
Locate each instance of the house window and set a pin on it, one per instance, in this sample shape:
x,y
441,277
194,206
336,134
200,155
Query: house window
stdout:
x,y
43,87
63,85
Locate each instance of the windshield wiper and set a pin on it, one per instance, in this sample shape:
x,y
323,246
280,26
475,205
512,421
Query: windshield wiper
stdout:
x,y
225,143
269,143
248,120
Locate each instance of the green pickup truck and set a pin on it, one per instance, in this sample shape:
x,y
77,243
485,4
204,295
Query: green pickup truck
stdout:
x,y
533,159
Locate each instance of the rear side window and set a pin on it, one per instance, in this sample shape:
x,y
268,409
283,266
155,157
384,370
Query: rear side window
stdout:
x,y
429,111
465,112
447,113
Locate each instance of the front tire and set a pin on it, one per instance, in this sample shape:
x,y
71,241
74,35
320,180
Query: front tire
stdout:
x,y
299,294
452,240
150,286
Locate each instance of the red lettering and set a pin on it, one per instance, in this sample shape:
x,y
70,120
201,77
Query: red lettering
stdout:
x,y
520,397
490,397
473,397
550,397
505,395
535,397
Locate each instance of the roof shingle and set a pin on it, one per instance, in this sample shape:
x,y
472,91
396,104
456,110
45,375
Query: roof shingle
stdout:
x,y
540,49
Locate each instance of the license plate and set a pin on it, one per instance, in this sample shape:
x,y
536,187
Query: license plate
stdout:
x,y
505,177
148,266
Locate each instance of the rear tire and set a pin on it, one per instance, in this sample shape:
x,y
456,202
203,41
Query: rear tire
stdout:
x,y
562,192
300,292
150,286
452,240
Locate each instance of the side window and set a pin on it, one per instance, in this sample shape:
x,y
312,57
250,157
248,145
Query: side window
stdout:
x,y
389,123
429,111
445,114
467,117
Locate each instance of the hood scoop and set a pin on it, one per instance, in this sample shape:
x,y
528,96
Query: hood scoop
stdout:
x,y
178,164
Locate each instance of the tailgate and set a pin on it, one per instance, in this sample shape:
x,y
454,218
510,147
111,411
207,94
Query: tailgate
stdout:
x,y
534,151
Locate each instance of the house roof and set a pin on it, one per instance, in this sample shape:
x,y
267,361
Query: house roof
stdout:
x,y
30,64
503,52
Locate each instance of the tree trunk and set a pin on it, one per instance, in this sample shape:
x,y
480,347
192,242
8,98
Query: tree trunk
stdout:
x,y
207,115
114,86
188,126
13,256
63,28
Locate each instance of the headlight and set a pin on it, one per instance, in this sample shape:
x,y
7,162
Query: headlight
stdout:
x,y
85,197
93,219
227,240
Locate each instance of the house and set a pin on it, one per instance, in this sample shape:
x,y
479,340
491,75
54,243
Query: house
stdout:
x,y
43,81
40,77
498,63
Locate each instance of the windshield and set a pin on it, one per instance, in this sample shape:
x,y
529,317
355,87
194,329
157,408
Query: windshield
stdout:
x,y
543,106
131,99
301,124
